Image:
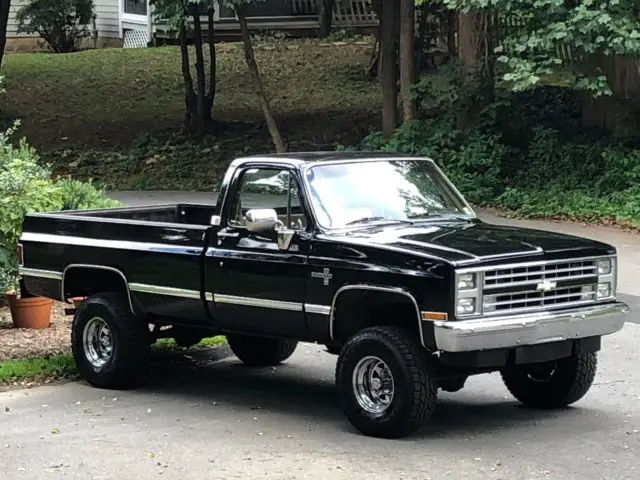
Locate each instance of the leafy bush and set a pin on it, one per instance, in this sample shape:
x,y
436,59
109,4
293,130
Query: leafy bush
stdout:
x,y
26,187
525,151
60,22
79,195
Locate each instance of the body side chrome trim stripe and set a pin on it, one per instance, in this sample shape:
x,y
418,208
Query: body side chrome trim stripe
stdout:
x,y
394,290
257,302
168,291
317,309
118,244
35,272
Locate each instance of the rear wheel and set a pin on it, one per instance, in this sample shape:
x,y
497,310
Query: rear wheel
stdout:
x,y
553,384
261,351
110,345
384,386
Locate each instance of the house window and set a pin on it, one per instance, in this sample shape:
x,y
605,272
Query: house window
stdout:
x,y
135,7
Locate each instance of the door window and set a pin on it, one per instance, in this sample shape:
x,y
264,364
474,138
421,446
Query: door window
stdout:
x,y
269,188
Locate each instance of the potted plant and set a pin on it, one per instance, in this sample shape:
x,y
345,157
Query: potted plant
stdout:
x,y
25,187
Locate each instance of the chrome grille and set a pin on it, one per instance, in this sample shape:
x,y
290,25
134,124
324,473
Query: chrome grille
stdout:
x,y
534,274
531,300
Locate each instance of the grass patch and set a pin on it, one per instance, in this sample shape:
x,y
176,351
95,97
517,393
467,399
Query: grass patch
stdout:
x,y
37,368
168,344
115,114
63,366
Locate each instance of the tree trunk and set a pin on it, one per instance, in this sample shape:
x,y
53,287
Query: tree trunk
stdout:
x,y
475,55
617,113
190,99
197,41
326,17
470,39
212,65
257,81
407,31
389,67
452,21
5,5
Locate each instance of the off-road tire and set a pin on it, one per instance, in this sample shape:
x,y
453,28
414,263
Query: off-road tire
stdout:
x,y
415,390
130,356
261,351
569,381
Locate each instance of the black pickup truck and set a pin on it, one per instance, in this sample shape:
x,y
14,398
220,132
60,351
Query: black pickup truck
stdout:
x,y
377,256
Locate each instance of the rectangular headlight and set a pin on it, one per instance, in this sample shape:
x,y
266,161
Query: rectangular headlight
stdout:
x,y
604,290
466,306
466,281
604,267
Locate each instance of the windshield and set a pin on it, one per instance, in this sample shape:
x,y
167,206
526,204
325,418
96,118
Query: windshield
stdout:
x,y
388,190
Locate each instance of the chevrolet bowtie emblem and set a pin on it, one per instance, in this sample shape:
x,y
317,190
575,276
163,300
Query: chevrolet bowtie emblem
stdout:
x,y
546,285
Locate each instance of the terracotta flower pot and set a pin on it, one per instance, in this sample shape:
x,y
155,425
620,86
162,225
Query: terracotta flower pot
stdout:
x,y
30,312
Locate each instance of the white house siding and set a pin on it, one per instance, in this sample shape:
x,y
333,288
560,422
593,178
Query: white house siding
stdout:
x,y
107,20
12,25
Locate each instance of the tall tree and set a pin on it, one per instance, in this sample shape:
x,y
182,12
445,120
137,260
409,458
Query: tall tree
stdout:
x,y
407,34
240,9
5,6
389,65
325,14
198,101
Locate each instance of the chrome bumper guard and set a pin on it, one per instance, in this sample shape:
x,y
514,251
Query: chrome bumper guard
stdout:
x,y
530,329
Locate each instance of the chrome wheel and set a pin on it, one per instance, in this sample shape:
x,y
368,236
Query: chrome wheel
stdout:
x,y
97,340
373,385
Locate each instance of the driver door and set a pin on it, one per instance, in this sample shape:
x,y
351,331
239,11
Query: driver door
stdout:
x,y
259,285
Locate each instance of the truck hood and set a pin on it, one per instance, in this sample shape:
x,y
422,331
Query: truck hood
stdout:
x,y
475,241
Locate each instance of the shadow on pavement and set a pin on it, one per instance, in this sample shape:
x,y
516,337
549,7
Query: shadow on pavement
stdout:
x,y
308,394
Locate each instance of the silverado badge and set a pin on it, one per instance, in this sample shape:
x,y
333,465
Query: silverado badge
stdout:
x,y
325,275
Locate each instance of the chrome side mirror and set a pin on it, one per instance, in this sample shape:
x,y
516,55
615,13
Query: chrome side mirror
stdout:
x,y
259,220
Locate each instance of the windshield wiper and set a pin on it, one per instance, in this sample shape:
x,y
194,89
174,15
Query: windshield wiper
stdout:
x,y
373,219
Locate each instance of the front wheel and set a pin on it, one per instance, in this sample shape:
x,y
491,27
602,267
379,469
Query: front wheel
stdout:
x,y
553,384
259,351
384,386
110,345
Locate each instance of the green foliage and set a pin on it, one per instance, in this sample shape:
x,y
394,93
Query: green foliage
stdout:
x,y
26,187
524,152
37,368
59,22
546,28
78,195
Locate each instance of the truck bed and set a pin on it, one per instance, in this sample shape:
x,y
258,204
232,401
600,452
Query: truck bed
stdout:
x,y
182,213
156,250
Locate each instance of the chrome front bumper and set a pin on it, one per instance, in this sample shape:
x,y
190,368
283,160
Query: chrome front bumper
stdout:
x,y
530,329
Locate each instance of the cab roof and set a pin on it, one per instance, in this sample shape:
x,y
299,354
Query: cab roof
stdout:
x,y
300,159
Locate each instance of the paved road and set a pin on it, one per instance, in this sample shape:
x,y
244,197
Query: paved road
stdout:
x,y
225,421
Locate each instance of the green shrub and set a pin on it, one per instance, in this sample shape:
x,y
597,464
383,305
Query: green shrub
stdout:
x,y
26,187
79,195
60,22
526,152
